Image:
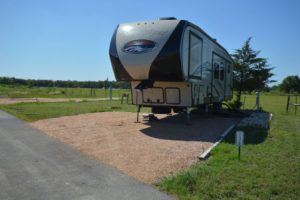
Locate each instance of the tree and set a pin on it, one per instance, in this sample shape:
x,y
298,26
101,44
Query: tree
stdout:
x,y
60,83
250,72
290,84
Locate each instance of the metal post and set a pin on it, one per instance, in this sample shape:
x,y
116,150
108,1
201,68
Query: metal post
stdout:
x,y
138,114
239,153
188,116
110,93
296,104
288,103
257,101
122,98
138,106
244,102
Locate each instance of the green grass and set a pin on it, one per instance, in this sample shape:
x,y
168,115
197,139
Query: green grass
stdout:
x,y
36,111
269,166
16,91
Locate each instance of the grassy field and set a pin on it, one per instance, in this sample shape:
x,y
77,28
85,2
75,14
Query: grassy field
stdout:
x,y
36,111
53,92
269,167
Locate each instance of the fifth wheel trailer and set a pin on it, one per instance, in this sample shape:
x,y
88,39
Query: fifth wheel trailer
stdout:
x,y
171,64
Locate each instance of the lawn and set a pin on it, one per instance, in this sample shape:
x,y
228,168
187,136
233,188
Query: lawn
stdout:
x,y
36,111
16,91
269,167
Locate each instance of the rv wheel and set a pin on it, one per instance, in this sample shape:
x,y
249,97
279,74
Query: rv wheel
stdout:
x,y
217,106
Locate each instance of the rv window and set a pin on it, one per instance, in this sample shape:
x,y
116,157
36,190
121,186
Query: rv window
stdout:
x,y
228,67
222,74
195,55
222,71
216,71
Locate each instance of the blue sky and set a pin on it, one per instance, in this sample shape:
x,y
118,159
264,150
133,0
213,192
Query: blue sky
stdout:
x,y
69,39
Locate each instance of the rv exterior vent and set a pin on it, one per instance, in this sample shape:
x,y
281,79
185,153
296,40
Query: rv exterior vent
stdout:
x,y
167,18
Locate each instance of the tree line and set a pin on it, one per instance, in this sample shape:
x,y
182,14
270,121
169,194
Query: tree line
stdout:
x,y
250,73
64,84
291,84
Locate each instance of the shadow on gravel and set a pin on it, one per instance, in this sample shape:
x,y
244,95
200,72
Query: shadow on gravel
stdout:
x,y
204,127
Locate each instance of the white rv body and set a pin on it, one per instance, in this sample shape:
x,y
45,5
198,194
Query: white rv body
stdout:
x,y
171,63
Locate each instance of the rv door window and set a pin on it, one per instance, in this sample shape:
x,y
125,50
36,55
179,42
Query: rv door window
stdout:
x,y
216,70
228,68
222,74
222,71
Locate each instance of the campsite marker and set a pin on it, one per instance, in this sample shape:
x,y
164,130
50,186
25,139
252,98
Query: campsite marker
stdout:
x,y
239,141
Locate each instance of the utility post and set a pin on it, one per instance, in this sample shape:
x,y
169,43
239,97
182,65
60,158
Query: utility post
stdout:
x,y
257,101
110,93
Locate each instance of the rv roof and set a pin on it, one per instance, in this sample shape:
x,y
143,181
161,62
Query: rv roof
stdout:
x,y
167,18
188,23
212,39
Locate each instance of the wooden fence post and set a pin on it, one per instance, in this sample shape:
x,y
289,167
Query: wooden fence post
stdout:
x,y
296,104
288,103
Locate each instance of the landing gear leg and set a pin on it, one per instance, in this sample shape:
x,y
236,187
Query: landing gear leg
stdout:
x,y
188,112
137,91
138,113
217,107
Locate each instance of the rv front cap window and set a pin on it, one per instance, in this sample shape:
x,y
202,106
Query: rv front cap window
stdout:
x,y
139,46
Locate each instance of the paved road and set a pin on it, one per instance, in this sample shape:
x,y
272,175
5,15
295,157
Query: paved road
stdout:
x,y
36,167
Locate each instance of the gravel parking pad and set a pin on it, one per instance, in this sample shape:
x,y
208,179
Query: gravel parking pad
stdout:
x,y
147,151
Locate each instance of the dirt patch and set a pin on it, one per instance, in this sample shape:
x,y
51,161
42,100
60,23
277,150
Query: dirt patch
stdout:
x,y
4,100
146,151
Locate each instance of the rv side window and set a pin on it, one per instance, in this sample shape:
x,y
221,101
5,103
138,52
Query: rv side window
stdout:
x,y
222,71
222,74
228,67
216,70
195,55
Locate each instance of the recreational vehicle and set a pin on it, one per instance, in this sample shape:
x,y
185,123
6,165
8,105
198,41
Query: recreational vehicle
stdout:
x,y
171,64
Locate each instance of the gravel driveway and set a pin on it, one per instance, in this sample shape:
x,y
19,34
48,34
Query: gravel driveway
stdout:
x,y
146,151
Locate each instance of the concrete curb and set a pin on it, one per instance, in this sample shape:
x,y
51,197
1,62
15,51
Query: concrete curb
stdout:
x,y
206,153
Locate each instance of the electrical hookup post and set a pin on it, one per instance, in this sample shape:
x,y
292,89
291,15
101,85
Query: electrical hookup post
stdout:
x,y
110,95
239,141
257,101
